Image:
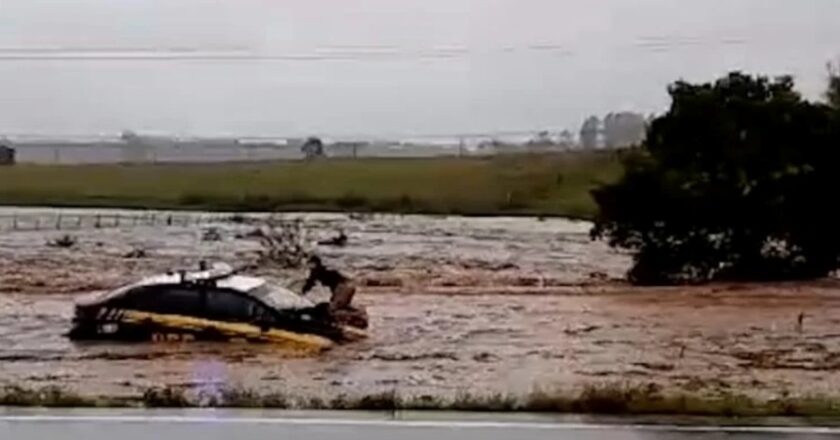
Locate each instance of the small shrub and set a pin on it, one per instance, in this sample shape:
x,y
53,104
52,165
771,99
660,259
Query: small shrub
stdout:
x,y
424,402
600,400
386,401
17,396
167,397
542,401
239,398
492,402
314,403
56,397
46,397
275,401
340,402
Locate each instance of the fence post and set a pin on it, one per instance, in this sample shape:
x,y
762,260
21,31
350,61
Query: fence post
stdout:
x,y
79,222
14,222
98,223
58,222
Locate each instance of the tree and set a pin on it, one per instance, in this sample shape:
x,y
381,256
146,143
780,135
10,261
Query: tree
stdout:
x,y
589,133
730,184
313,148
623,129
833,92
566,140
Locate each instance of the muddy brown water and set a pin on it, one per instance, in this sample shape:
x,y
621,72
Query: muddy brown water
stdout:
x,y
477,305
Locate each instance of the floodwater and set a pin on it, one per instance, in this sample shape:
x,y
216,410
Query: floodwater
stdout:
x,y
456,304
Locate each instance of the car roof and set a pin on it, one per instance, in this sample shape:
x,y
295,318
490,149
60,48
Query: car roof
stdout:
x,y
239,283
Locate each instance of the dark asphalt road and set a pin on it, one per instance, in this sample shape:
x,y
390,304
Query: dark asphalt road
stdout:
x,y
211,425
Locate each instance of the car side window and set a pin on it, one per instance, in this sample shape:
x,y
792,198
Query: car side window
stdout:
x,y
225,305
171,300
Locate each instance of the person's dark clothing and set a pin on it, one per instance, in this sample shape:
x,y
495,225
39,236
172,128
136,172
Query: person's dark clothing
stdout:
x,y
329,278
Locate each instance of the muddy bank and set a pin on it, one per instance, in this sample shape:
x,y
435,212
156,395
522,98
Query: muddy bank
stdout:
x,y
457,305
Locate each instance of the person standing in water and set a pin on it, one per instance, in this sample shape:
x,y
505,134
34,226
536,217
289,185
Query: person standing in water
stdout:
x,y
341,287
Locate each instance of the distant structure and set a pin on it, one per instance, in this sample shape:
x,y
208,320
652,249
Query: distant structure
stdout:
x,y
7,155
347,148
541,143
134,148
496,146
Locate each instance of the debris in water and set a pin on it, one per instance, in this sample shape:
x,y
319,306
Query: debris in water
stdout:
x,y
339,240
581,330
65,242
283,244
136,254
211,234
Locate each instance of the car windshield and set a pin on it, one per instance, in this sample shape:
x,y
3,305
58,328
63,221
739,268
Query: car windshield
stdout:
x,y
280,298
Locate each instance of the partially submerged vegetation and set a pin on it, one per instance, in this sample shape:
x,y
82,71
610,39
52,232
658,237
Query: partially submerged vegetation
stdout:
x,y
557,184
730,185
608,399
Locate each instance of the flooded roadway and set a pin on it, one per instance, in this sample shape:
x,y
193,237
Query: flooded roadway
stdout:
x,y
496,305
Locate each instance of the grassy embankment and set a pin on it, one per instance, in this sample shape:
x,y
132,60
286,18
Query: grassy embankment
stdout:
x,y
612,399
506,185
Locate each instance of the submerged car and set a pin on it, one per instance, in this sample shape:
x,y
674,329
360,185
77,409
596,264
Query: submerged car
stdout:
x,y
214,305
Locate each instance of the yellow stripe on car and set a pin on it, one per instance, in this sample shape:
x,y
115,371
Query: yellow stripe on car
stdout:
x,y
231,331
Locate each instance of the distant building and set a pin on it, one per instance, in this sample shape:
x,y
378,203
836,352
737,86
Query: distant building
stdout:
x,y
347,149
7,155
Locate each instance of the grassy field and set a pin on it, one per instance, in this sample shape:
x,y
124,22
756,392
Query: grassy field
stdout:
x,y
505,185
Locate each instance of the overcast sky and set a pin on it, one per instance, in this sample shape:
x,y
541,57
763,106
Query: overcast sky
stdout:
x,y
382,67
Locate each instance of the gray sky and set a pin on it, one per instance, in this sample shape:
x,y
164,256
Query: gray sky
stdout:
x,y
382,67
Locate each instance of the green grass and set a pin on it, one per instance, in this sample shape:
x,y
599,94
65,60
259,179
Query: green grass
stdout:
x,y
611,399
515,185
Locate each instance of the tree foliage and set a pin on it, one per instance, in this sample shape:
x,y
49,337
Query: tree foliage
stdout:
x,y
833,92
589,133
734,182
313,148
